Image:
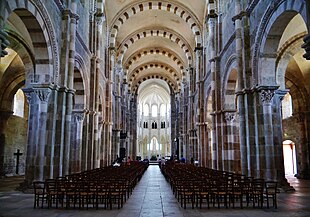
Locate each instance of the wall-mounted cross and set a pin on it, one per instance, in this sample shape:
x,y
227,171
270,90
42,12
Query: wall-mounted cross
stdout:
x,y
17,154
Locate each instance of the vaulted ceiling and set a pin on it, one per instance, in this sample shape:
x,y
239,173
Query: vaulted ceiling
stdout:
x,y
155,40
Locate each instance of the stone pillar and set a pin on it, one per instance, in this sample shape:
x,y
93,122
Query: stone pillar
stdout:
x,y
76,142
241,104
32,138
71,62
101,154
109,95
203,144
231,143
85,139
106,145
91,139
131,148
116,110
133,143
266,143
192,142
158,131
95,163
213,41
209,147
173,124
183,121
42,94
200,109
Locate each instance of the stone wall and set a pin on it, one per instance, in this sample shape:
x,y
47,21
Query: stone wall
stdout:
x,y
15,138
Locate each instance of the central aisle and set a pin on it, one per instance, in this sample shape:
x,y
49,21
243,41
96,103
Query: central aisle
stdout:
x,y
152,197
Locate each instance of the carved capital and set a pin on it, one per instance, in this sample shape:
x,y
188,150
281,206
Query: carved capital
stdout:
x,y
198,50
43,94
4,42
67,14
266,96
240,16
209,126
92,113
306,46
99,18
230,117
28,93
79,116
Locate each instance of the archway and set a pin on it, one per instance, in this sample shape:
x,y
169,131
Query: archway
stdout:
x,y
13,115
207,157
292,75
289,154
278,67
32,38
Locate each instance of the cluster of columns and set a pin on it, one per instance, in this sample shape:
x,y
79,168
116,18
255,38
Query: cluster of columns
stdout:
x,y
62,138
247,140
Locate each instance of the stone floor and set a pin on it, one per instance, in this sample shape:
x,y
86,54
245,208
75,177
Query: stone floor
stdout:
x,y
153,197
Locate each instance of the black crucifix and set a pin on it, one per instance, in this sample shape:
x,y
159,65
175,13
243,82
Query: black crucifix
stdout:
x,y
17,159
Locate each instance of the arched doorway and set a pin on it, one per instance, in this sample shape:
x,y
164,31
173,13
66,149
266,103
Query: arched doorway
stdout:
x,y
289,154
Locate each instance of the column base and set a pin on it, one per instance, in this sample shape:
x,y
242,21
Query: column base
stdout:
x,y
303,175
25,187
285,186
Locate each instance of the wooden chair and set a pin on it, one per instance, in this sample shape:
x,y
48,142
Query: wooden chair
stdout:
x,y
221,192
53,195
86,193
271,190
203,192
237,193
39,193
258,192
186,193
102,194
116,194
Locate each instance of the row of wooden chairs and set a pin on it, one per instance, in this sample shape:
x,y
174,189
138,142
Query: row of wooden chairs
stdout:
x,y
197,184
96,188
